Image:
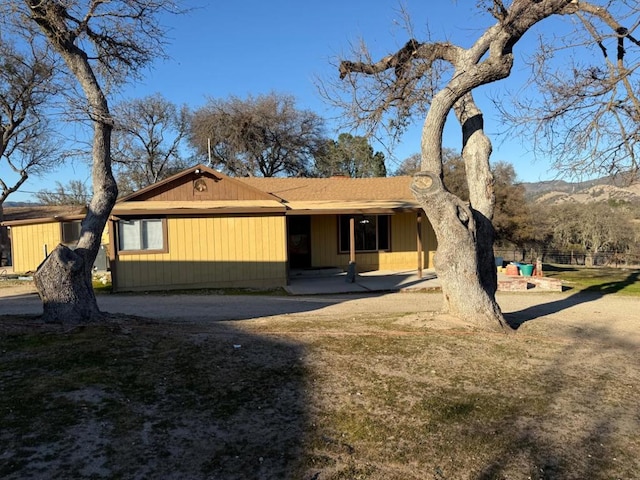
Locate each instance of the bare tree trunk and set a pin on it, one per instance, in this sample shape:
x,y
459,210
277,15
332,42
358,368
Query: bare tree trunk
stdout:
x,y
464,260
64,278
463,255
4,240
476,152
65,289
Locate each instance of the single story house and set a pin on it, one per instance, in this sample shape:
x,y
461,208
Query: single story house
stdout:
x,y
203,229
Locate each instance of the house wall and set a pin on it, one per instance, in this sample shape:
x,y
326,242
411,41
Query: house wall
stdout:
x,y
403,256
211,252
28,244
105,235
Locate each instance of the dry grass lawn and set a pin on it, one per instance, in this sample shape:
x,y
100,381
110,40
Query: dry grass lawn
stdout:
x,y
313,396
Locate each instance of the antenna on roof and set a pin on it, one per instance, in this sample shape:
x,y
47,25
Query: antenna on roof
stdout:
x,y
209,151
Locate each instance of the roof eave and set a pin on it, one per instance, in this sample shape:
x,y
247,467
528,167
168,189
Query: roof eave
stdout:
x,y
35,221
185,212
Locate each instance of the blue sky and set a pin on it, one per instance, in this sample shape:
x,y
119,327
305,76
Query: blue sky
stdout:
x,y
249,47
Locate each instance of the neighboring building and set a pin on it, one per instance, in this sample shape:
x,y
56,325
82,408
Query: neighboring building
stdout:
x,y
202,229
34,231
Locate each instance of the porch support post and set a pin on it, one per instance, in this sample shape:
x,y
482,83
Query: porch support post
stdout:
x,y
112,226
351,271
419,243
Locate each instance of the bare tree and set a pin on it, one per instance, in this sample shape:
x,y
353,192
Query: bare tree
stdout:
x,y
98,41
73,193
584,113
410,81
27,86
409,166
148,137
262,136
27,144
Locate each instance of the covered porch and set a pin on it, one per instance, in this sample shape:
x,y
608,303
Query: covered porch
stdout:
x,y
359,239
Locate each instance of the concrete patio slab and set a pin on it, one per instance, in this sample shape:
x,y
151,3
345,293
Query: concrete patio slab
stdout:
x,y
378,281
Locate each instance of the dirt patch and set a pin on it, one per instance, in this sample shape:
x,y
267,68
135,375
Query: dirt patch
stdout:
x,y
376,387
10,288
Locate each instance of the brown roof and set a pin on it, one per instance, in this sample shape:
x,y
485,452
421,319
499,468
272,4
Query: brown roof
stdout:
x,y
335,188
24,214
300,195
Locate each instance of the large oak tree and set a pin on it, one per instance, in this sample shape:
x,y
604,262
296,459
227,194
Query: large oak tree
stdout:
x,y
148,141
440,78
262,136
102,45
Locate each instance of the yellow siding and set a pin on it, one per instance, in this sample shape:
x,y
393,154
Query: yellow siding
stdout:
x,y
105,235
29,243
210,253
429,241
403,254
324,242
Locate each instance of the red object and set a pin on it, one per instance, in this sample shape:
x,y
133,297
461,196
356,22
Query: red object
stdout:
x,y
512,270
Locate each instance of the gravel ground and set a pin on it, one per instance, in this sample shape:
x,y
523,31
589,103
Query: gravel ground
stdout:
x,y
316,370
617,313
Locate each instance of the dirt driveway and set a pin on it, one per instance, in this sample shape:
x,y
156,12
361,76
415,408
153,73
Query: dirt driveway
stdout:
x,y
376,386
618,314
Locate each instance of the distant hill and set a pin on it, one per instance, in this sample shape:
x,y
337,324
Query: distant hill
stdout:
x,y
20,204
602,189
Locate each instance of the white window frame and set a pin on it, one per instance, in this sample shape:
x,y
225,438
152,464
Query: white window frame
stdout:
x,y
144,243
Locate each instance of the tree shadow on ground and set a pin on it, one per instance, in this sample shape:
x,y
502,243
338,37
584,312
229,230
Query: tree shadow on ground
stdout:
x,y
589,294
590,420
195,307
559,268
145,399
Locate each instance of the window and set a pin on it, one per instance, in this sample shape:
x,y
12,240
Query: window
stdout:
x,y
371,232
144,234
71,232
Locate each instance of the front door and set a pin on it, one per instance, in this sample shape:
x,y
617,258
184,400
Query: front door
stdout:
x,y
299,241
